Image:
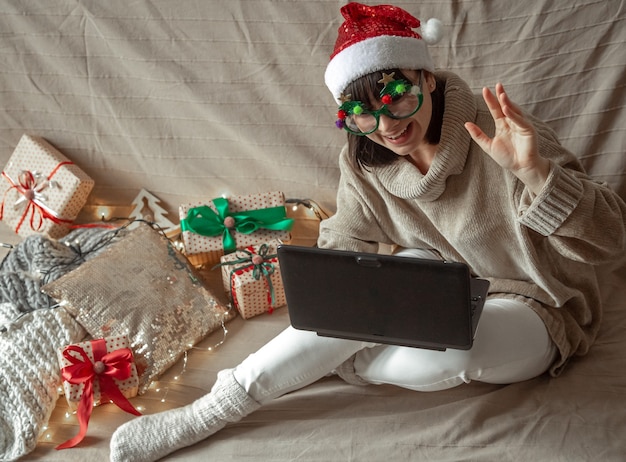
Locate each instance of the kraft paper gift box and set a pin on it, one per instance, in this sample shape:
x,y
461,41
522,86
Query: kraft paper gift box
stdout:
x,y
43,190
79,363
251,278
222,225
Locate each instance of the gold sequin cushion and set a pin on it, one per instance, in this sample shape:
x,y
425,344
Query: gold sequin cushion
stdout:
x,y
142,287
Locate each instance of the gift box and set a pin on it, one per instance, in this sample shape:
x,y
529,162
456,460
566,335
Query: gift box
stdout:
x,y
85,356
44,191
222,225
252,279
95,372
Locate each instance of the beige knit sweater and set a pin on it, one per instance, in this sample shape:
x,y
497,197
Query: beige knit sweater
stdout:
x,y
471,210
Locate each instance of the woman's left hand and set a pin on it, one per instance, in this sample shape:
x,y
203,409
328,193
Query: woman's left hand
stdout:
x,y
514,144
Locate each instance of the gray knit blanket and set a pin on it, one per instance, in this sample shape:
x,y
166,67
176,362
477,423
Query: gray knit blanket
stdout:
x,y
32,329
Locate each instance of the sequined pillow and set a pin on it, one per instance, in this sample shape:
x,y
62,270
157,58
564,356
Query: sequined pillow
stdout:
x,y
142,287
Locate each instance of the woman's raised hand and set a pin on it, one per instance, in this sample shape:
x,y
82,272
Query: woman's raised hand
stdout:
x,y
514,144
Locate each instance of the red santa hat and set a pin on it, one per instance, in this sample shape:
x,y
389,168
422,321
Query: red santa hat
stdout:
x,y
375,38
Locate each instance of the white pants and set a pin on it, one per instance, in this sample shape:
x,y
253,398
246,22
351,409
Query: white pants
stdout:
x,y
511,345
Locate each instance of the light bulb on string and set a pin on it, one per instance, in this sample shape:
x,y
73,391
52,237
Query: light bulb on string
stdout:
x,y
103,212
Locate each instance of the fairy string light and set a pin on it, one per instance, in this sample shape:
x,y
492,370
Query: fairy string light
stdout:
x,y
309,204
157,386
79,247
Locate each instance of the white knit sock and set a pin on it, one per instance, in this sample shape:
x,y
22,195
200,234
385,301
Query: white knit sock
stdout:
x,y
149,438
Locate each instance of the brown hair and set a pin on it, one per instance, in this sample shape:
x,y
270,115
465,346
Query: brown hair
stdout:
x,y
368,153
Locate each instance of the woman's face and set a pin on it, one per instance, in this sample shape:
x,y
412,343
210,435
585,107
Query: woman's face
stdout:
x,y
406,137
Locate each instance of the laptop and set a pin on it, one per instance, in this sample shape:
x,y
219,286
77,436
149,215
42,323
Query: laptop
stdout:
x,y
381,298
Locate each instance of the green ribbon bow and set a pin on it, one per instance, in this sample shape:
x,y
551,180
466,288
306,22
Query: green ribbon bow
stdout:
x,y
265,268
203,220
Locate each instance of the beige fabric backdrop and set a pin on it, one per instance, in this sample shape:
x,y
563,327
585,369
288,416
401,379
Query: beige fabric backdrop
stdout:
x,y
191,100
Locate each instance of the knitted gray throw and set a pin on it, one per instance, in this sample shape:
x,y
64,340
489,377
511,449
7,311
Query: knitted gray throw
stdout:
x,y
31,331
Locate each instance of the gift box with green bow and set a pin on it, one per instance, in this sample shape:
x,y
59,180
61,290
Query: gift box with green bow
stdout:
x,y
222,225
252,280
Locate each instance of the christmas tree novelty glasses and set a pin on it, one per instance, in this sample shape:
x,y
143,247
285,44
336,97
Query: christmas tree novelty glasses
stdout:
x,y
400,99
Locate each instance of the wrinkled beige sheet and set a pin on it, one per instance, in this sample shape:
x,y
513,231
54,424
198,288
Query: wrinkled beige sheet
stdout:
x,y
191,100
578,417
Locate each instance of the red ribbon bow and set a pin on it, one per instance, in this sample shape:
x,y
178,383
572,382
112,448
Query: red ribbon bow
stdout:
x,y
30,188
105,368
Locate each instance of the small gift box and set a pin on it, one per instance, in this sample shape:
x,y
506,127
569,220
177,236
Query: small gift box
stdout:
x,y
210,230
95,372
44,191
79,360
252,279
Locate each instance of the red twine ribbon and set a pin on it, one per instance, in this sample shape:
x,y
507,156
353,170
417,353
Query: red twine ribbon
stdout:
x,y
270,301
30,188
105,368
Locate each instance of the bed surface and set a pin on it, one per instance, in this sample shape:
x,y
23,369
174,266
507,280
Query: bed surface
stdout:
x,y
192,100
578,417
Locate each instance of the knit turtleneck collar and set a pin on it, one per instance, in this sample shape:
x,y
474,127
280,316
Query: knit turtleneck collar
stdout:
x,y
404,180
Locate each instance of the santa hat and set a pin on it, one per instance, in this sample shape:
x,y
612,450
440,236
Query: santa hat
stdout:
x,y
375,38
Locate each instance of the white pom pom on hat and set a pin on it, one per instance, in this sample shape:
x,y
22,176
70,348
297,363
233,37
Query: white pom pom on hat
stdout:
x,y
376,38
432,31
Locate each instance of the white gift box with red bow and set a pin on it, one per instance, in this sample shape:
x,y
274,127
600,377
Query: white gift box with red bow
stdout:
x,y
97,371
69,355
43,190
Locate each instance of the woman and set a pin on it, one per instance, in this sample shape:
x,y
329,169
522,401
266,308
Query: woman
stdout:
x,y
431,168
